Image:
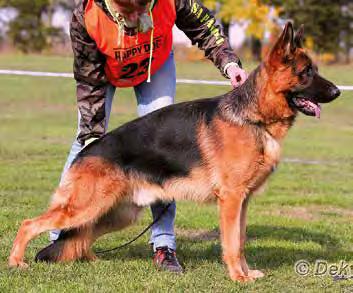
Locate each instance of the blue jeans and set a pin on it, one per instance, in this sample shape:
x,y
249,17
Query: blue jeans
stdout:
x,y
160,92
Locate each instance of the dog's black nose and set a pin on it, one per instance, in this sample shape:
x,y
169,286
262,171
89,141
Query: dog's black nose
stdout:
x,y
335,92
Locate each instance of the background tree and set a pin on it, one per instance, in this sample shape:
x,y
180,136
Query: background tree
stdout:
x,y
253,13
31,30
347,27
328,23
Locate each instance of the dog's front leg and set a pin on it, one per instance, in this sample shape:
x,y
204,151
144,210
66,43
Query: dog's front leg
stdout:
x,y
251,273
230,204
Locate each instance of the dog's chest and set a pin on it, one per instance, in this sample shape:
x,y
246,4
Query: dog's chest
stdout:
x,y
272,151
267,164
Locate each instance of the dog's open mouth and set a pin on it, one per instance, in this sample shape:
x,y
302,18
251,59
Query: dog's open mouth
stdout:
x,y
307,106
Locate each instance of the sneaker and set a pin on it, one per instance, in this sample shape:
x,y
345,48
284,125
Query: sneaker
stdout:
x,y
165,259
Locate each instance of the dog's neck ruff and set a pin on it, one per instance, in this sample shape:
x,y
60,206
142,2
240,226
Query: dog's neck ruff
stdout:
x,y
241,105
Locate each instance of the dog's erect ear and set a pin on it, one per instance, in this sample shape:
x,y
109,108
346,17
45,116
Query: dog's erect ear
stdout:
x,y
284,46
299,36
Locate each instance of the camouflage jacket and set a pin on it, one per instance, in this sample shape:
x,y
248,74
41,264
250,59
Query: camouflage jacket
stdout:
x,y
191,17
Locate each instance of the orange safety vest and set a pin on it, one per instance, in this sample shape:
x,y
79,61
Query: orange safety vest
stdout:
x,y
127,57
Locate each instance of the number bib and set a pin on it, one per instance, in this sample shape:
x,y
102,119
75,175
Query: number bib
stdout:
x,y
127,57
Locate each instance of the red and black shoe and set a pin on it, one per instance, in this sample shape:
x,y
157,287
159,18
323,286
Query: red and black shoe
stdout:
x,y
165,259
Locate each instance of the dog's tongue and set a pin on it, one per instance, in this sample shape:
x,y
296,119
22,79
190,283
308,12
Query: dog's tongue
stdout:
x,y
306,103
316,107
317,111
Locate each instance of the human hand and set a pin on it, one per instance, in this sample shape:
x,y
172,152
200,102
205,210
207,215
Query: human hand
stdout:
x,y
236,74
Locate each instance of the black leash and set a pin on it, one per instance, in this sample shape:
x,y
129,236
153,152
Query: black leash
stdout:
x,y
139,235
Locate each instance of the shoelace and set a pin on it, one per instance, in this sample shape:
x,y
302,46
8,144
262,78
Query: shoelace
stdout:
x,y
165,255
169,256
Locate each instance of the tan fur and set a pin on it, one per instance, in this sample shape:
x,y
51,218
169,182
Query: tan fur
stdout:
x,y
97,197
88,191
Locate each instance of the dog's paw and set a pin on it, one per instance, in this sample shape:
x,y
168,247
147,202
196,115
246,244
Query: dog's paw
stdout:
x,y
90,257
241,278
255,274
14,263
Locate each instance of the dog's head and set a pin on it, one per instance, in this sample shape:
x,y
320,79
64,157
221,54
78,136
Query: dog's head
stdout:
x,y
292,72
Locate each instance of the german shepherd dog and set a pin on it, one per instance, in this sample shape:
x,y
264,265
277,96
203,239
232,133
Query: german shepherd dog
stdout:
x,y
221,148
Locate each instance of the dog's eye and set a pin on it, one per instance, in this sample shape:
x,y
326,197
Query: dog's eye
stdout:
x,y
309,71
306,73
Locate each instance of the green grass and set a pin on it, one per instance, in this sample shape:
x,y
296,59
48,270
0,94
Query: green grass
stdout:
x,y
305,213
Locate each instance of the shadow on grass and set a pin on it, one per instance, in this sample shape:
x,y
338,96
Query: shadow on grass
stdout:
x,y
199,247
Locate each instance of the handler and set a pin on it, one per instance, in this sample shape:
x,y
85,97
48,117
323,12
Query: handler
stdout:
x,y
128,43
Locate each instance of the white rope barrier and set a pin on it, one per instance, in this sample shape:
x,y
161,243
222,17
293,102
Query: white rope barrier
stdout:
x,y
180,81
35,73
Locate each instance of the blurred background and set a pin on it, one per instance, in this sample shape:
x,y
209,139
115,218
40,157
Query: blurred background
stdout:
x,y
42,26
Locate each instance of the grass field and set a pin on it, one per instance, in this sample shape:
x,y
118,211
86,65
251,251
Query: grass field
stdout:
x,y
305,213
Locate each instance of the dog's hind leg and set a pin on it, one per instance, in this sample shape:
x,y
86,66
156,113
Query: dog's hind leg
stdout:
x,y
76,243
72,244
90,189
